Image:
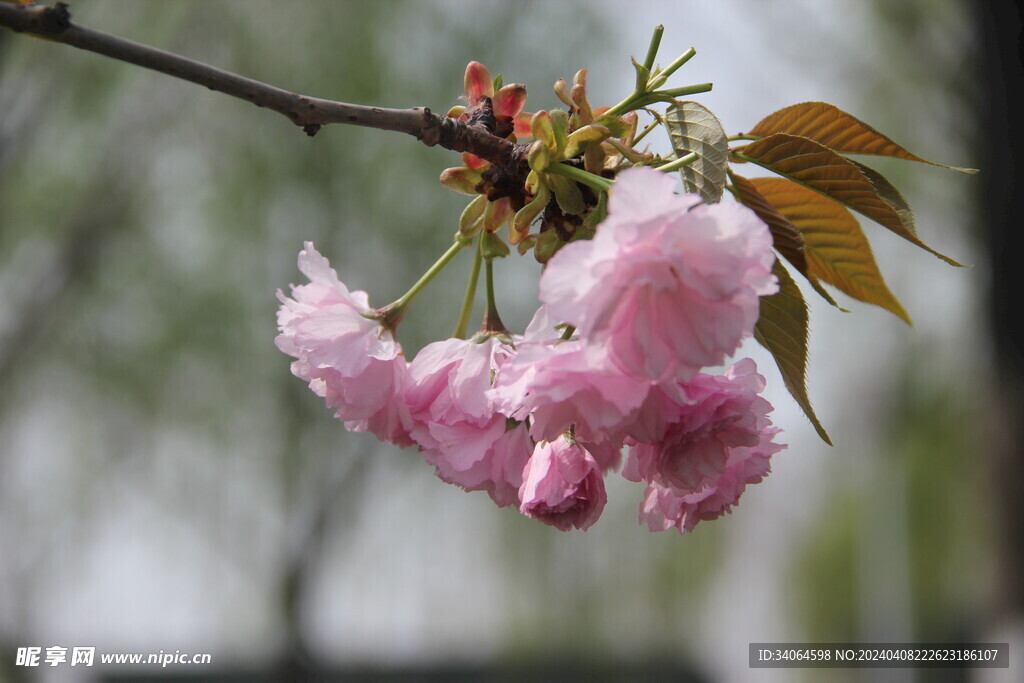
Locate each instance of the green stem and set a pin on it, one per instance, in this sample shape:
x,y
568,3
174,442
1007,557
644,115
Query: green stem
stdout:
x,y
678,163
492,321
662,76
631,154
568,332
741,136
579,175
645,131
626,105
392,314
652,51
467,301
685,90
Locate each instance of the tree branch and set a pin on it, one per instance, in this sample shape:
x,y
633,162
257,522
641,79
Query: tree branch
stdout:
x,y
54,23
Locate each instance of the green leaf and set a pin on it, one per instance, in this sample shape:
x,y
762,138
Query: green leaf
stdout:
x,y
615,125
560,128
643,74
819,168
837,130
782,329
583,137
492,247
567,194
786,238
526,215
471,219
692,128
835,246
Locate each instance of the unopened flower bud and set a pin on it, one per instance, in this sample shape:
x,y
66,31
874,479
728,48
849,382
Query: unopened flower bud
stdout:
x,y
461,179
539,155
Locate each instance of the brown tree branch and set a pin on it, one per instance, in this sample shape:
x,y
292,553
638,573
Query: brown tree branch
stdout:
x,y
54,23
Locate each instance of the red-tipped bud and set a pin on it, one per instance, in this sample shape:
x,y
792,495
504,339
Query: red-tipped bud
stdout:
x,y
478,82
474,162
509,100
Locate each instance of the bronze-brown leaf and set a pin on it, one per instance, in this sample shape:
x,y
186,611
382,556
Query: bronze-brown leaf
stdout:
x,y
819,168
834,244
782,329
837,130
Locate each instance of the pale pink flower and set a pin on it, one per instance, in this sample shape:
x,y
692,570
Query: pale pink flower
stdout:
x,y
567,384
455,424
664,508
562,486
348,359
668,285
720,414
720,440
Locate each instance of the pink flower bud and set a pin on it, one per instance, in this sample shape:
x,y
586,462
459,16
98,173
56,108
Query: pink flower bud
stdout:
x,y
562,486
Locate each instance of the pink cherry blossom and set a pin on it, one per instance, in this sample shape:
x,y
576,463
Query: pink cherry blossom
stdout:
x,y
347,358
455,424
720,414
567,384
720,440
668,285
562,486
664,508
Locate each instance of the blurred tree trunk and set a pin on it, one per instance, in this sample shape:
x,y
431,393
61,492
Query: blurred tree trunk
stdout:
x,y
1000,210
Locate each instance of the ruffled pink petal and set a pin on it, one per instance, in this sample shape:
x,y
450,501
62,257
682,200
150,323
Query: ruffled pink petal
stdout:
x,y
666,286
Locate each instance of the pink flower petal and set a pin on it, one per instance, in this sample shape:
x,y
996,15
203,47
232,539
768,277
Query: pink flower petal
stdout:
x,y
666,286
348,360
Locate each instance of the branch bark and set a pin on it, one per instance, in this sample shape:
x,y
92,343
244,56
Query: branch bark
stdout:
x,y
309,113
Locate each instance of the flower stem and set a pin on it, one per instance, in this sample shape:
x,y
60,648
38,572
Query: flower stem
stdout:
x,y
578,174
686,90
467,302
392,314
492,321
677,163
652,51
660,79
626,105
646,131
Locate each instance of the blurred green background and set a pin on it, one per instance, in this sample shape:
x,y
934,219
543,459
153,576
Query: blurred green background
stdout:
x,y
165,483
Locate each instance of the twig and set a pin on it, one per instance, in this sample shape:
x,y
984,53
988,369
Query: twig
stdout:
x,y
310,113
